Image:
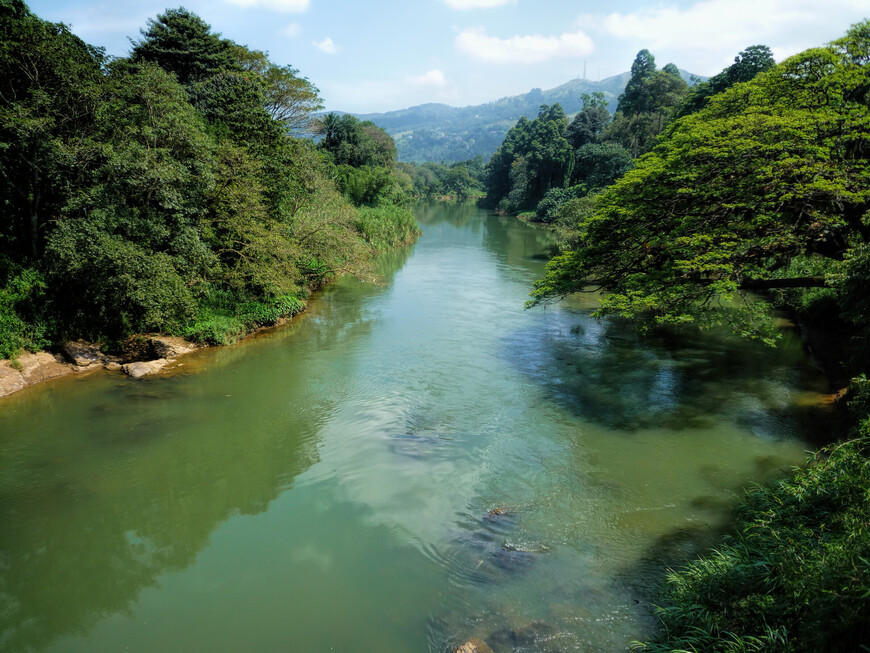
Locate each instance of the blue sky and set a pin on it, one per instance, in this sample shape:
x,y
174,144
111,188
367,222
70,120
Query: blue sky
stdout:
x,y
380,55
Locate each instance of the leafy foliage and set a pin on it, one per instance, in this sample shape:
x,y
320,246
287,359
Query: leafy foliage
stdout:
x,y
796,578
181,42
355,143
534,157
290,99
164,192
750,62
770,171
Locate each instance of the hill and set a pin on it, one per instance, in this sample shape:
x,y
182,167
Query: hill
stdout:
x,y
439,132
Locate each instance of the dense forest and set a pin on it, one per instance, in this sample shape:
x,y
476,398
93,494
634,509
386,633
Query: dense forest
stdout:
x,y
171,190
706,205
549,160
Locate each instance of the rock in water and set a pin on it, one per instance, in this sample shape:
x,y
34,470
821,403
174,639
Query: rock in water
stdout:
x,y
144,368
473,645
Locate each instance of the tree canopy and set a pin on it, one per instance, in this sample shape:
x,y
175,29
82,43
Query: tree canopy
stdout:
x,y
356,143
751,61
534,157
165,191
181,42
771,174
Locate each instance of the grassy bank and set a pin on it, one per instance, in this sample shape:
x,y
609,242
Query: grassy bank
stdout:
x,y
795,577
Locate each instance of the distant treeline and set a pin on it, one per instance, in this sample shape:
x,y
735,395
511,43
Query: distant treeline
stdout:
x,y
545,162
172,190
460,181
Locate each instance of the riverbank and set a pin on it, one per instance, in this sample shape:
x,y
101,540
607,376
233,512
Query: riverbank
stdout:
x,y
143,355
147,355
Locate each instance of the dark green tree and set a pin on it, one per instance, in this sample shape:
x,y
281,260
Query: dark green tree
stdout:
x,y
127,249
235,105
590,121
181,42
751,61
534,157
50,85
636,98
355,143
598,165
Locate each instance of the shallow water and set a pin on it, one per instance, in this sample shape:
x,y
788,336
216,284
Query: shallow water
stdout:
x,y
327,486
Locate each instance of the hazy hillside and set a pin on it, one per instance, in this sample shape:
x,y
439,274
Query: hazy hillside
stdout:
x,y
438,132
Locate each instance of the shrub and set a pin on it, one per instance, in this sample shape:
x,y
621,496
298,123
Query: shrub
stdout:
x,y
21,296
223,318
797,578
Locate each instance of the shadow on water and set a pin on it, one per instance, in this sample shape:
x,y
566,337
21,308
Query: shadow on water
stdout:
x,y
609,374
517,243
107,484
132,499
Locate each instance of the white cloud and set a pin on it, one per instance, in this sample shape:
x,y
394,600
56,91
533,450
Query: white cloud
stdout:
x,y
522,49
429,78
284,6
705,36
326,45
292,30
476,4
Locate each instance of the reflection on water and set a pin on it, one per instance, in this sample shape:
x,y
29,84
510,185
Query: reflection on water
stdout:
x,y
405,466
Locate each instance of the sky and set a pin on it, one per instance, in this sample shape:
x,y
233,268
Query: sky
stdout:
x,y
380,55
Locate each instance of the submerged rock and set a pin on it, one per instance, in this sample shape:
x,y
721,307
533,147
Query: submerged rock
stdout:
x,y
473,645
531,635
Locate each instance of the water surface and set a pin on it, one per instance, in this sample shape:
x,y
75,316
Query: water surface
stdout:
x,y
328,486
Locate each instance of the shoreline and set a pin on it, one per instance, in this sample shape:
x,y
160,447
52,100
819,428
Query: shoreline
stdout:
x,y
80,358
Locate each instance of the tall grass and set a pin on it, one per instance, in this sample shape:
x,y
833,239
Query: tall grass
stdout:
x,y
223,317
387,226
797,578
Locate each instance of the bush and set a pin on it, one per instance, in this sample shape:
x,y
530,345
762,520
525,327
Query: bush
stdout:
x,y
798,576
223,318
21,296
553,200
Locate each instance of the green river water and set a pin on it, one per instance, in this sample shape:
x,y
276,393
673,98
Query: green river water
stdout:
x,y
326,486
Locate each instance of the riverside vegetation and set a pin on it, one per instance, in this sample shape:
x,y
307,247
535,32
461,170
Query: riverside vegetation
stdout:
x,y
173,190
701,206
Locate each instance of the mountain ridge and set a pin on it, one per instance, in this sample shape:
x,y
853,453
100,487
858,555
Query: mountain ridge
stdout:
x,y
440,132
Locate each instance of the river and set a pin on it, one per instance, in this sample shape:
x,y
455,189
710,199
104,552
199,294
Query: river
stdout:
x,y
406,465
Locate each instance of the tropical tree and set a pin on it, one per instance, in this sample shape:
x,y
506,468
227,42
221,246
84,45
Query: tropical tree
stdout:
x,y
751,61
50,85
587,125
290,99
181,42
356,143
770,174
